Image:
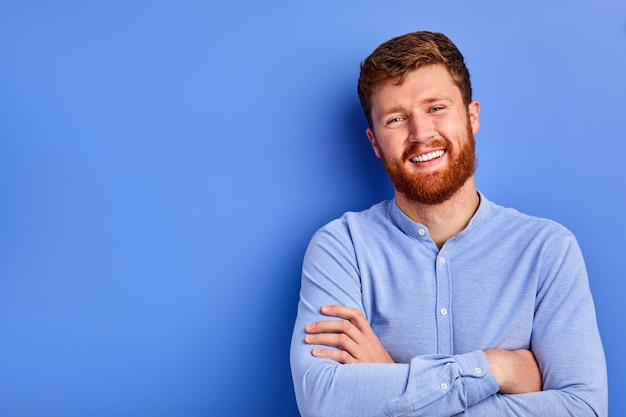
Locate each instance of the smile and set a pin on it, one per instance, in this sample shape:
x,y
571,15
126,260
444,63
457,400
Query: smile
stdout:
x,y
428,156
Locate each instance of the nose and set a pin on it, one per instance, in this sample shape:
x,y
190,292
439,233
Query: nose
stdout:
x,y
421,128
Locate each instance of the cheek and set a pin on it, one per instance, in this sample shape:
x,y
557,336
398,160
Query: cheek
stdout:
x,y
389,151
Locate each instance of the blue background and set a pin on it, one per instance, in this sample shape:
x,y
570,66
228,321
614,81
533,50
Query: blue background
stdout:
x,y
163,165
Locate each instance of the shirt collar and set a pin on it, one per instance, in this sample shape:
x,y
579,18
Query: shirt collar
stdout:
x,y
419,231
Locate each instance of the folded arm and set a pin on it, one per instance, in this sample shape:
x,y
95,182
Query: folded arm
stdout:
x,y
354,341
430,385
565,343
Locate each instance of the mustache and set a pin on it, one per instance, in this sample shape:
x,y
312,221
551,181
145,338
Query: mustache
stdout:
x,y
416,148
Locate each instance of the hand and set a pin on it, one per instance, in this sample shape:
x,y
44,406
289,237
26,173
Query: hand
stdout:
x,y
352,335
516,371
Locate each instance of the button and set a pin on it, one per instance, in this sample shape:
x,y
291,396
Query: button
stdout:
x,y
444,386
444,311
478,371
421,232
442,260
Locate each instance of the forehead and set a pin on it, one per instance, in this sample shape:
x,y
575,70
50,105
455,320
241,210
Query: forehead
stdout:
x,y
423,84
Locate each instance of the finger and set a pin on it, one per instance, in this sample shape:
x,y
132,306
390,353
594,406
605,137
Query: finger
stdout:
x,y
354,315
331,326
338,340
340,356
344,312
344,327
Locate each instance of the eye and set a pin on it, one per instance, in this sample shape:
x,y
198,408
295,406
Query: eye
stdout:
x,y
436,109
396,119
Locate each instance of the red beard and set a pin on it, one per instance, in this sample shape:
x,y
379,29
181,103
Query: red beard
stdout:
x,y
438,186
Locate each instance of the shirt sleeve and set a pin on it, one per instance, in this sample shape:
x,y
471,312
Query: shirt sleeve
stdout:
x,y
565,341
430,385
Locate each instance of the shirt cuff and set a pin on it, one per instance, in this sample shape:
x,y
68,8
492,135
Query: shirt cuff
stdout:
x,y
478,381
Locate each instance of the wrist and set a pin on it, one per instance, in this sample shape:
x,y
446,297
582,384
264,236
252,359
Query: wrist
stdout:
x,y
516,371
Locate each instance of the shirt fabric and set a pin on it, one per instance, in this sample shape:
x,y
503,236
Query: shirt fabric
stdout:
x,y
508,280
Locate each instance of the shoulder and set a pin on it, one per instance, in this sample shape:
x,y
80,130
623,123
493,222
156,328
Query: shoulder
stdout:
x,y
340,234
374,217
542,244
511,220
514,232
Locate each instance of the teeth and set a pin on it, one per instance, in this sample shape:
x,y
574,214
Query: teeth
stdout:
x,y
428,156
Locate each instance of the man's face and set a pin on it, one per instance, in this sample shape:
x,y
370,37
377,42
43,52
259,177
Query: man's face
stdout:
x,y
424,134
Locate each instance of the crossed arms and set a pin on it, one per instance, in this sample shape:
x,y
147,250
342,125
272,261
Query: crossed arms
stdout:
x,y
515,371
535,354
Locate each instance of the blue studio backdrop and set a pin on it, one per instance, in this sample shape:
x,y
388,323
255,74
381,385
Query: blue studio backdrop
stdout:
x,y
163,165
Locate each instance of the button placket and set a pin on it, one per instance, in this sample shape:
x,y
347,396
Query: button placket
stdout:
x,y
444,323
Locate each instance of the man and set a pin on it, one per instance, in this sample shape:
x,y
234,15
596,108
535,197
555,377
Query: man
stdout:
x,y
440,302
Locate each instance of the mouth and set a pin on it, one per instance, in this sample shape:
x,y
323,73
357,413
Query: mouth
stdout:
x,y
428,156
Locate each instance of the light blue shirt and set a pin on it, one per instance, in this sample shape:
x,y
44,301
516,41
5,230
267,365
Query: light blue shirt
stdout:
x,y
507,281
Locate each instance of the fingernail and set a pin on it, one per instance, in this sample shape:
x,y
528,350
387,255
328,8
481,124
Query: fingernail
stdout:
x,y
325,309
310,326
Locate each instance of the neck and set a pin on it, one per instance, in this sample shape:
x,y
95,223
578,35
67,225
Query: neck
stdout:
x,y
444,220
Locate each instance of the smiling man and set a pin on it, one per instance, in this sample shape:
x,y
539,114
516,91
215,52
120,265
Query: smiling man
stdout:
x,y
440,302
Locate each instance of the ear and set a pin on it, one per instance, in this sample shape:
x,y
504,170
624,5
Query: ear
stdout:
x,y
473,109
370,135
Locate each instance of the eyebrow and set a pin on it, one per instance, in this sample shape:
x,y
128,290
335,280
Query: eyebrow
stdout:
x,y
426,100
431,99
